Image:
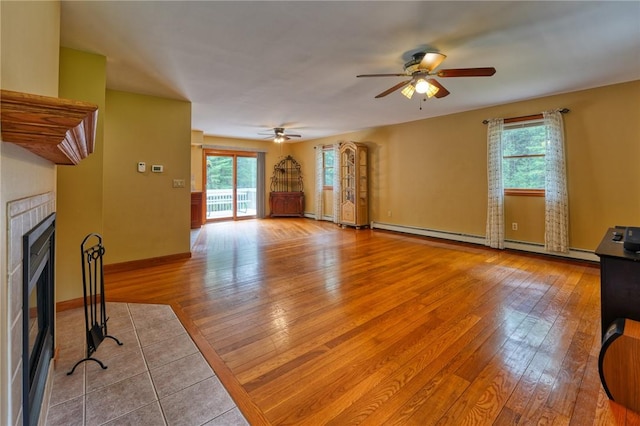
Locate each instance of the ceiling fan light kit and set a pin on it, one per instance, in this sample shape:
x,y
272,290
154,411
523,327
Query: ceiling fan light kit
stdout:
x,y
421,66
279,135
408,91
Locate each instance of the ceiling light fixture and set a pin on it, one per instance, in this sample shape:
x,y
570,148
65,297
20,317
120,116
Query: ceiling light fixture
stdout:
x,y
421,86
279,139
432,90
424,87
409,90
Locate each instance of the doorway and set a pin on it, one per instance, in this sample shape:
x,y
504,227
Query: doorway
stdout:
x,y
230,182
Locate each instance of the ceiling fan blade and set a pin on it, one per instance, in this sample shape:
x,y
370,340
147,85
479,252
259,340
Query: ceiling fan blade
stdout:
x,y
467,72
431,60
382,75
442,92
392,89
292,135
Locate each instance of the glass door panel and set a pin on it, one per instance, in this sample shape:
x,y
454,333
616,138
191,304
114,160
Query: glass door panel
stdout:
x,y
219,187
246,183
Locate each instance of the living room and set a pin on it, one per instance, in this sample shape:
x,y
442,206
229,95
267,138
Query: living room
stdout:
x,y
428,174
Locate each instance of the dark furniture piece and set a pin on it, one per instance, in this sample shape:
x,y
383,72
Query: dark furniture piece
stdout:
x,y
618,363
286,204
196,210
619,281
286,197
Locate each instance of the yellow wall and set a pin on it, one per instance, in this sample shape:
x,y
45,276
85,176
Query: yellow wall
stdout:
x,y
29,43
144,215
80,187
432,173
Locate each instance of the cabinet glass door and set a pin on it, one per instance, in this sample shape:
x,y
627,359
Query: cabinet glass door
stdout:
x,y
348,176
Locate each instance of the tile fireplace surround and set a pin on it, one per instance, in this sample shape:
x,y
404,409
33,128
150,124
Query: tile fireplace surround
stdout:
x,y
22,215
170,401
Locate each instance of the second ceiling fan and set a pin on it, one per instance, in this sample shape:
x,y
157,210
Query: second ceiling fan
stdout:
x,y
280,135
421,68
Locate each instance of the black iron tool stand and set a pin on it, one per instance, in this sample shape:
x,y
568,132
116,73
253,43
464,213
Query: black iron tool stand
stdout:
x,y
95,313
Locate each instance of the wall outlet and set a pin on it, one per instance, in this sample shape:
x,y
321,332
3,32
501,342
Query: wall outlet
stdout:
x,y
157,168
142,167
514,226
178,183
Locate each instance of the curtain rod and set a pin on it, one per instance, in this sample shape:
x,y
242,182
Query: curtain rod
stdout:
x,y
527,117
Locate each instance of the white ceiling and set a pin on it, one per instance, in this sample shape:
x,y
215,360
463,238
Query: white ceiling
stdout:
x,y
251,66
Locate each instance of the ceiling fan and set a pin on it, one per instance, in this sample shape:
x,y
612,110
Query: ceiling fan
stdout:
x,y
279,135
420,68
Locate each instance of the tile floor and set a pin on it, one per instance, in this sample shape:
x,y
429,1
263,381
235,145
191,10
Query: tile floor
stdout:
x,y
157,377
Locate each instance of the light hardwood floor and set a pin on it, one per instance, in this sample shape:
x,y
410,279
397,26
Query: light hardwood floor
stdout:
x,y
306,323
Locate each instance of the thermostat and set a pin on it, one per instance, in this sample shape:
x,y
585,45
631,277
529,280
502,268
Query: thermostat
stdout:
x,y
157,168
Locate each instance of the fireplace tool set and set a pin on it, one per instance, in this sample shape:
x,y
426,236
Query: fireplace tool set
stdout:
x,y
95,313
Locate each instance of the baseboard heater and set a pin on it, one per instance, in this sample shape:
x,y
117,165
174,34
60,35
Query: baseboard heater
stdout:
x,y
477,239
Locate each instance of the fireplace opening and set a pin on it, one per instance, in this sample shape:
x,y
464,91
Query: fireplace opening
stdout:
x,y
38,314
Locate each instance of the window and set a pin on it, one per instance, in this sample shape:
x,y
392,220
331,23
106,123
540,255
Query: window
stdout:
x,y
523,163
327,167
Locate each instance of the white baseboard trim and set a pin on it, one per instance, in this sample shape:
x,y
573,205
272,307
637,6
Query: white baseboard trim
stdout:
x,y
578,254
314,216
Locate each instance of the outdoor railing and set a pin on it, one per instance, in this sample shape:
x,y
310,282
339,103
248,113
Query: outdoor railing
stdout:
x,y
221,200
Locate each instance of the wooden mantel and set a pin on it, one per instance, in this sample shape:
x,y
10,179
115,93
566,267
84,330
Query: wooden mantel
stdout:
x,y
60,130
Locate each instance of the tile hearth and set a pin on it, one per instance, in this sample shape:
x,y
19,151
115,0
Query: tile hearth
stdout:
x,y
157,377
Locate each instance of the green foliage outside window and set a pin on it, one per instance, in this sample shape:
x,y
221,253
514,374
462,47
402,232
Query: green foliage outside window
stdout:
x,y
220,172
328,161
523,149
247,172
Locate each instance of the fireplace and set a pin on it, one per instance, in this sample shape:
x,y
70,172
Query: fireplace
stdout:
x,y
38,314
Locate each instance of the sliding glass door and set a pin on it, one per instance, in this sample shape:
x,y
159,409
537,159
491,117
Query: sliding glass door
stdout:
x,y
230,182
246,179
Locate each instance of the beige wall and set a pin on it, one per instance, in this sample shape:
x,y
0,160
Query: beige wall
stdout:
x,y
29,43
432,173
197,139
80,187
144,215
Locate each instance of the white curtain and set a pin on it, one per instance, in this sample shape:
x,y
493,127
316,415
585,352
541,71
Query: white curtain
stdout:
x,y
319,182
495,202
337,183
556,210
319,190
260,187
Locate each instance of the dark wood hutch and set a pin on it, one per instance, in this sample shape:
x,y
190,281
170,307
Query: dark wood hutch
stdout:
x,y
286,197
